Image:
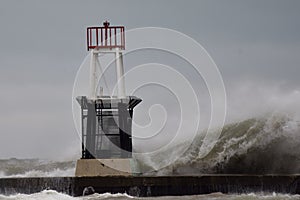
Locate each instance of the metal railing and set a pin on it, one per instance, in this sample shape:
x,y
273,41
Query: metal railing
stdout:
x,y
105,37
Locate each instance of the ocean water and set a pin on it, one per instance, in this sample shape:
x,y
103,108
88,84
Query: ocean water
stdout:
x,y
262,145
13,167
267,144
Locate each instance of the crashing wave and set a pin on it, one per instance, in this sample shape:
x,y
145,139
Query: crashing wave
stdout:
x,y
265,145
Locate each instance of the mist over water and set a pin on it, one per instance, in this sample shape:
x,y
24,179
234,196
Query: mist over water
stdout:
x,y
268,145
35,168
256,98
261,136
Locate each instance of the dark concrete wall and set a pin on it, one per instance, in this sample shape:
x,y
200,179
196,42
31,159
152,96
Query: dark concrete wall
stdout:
x,y
32,185
156,186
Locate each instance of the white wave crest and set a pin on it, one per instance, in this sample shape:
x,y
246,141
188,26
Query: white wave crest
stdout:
x,y
53,195
40,173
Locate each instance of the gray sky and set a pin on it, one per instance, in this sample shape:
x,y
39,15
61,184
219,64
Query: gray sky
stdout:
x,y
42,44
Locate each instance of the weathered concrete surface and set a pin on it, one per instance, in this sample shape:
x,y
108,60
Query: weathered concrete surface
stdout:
x,y
103,167
156,186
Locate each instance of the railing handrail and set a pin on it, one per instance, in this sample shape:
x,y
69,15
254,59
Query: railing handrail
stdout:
x,y
105,37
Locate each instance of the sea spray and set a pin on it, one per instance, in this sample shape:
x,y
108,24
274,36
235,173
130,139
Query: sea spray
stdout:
x,y
263,145
35,168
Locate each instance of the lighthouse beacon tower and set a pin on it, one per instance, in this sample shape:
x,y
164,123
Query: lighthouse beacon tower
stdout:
x,y
106,121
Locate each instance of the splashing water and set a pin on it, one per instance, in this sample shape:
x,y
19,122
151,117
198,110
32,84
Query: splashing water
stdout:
x,y
264,145
35,168
53,195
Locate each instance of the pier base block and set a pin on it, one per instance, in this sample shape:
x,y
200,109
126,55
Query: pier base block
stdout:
x,y
103,167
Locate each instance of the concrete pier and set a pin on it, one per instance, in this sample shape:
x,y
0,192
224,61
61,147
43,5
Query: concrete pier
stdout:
x,y
156,186
103,167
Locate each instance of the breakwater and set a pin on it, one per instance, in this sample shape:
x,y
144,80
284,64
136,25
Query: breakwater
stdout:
x,y
155,186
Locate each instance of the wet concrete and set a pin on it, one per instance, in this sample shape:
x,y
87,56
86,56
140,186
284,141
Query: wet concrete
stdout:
x,y
155,186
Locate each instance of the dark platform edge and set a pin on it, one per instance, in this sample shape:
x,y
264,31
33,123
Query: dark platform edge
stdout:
x,y
155,186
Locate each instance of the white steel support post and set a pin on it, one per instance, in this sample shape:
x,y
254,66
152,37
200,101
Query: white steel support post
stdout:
x,y
120,74
93,75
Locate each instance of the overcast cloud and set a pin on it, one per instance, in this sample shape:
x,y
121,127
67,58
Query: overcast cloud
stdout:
x,y
42,44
